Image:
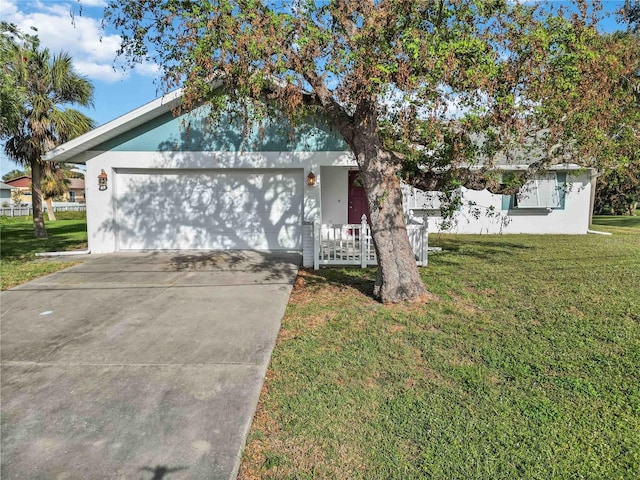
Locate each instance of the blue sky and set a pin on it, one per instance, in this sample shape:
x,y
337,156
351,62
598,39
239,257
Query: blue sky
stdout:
x,y
94,52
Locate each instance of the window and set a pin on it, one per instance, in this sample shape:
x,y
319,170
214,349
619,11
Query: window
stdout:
x,y
429,201
547,190
416,199
72,196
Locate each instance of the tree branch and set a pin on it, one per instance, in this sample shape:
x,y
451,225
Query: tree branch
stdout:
x,y
337,113
348,25
472,179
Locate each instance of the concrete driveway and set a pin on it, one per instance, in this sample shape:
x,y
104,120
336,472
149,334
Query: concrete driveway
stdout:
x,y
138,366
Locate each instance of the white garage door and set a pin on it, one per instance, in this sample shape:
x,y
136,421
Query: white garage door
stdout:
x,y
210,209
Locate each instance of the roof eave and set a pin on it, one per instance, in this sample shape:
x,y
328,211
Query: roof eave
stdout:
x,y
122,124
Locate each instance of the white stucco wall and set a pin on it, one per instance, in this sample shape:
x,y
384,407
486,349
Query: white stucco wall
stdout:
x,y
102,224
572,219
327,201
487,216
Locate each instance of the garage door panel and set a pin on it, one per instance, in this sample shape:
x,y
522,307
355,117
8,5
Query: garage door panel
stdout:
x,y
209,210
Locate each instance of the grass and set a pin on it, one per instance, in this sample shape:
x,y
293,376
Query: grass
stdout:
x,y
18,246
617,224
526,364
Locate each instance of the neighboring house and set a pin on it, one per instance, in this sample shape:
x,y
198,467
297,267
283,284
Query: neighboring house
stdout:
x,y
155,181
5,194
23,185
75,193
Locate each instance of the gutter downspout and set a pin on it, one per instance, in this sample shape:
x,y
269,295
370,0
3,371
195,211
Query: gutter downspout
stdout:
x,y
592,195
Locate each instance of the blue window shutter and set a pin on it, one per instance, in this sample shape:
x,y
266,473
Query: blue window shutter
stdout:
x,y
562,187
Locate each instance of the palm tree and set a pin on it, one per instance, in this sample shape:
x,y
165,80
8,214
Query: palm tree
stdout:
x,y
54,184
50,84
11,91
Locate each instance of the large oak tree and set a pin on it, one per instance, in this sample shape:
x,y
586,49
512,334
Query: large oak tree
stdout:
x,y
411,85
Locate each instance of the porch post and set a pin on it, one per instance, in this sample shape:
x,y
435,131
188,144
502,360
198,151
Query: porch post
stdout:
x,y
425,242
316,245
364,241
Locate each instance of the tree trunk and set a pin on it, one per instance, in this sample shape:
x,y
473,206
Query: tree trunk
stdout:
x,y
50,213
398,278
36,200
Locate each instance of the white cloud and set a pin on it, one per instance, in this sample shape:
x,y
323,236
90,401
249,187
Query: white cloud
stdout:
x,y
150,69
7,8
93,3
104,72
92,49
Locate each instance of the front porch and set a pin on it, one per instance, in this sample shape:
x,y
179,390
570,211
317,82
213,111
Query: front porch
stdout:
x,y
352,244
341,234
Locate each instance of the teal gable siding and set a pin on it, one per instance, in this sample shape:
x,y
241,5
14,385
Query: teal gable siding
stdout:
x,y
197,132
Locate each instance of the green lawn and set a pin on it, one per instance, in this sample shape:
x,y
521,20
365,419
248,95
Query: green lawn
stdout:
x,y
617,224
18,246
526,364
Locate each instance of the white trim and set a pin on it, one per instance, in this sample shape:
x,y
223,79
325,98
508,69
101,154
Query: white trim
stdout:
x,y
112,129
513,166
562,167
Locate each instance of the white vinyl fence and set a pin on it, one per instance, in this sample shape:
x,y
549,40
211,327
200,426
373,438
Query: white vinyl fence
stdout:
x,y
20,211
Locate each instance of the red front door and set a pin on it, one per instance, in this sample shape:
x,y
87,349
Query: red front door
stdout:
x,y
357,198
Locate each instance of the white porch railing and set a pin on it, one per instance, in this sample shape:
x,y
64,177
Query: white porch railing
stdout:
x,y
351,244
